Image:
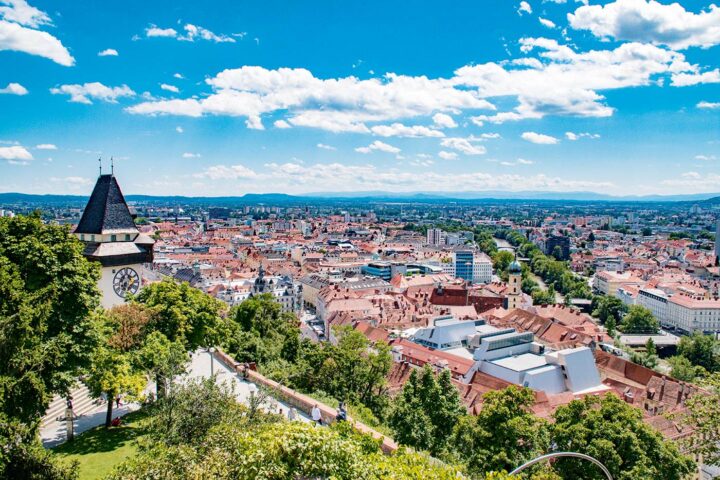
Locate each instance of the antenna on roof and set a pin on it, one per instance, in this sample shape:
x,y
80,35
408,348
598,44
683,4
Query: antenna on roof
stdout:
x,y
112,166
100,163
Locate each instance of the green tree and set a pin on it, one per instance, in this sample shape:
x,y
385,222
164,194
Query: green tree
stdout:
x,y
684,370
639,320
544,297
48,292
702,417
162,359
185,314
614,433
611,325
503,435
647,231
113,374
501,260
262,332
650,348
607,307
701,350
557,253
189,411
425,413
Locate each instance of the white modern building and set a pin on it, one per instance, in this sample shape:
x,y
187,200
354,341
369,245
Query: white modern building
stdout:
x,y
513,356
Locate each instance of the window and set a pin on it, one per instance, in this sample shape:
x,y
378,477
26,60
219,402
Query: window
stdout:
x,y
92,237
127,237
113,238
82,236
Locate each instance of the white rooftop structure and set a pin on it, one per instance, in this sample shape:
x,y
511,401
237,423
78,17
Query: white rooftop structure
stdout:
x,y
513,356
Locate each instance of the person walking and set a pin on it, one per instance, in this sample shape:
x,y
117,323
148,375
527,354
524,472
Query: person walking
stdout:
x,y
316,414
341,412
292,414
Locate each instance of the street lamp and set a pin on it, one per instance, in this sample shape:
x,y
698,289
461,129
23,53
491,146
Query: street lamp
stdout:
x,y
563,454
211,351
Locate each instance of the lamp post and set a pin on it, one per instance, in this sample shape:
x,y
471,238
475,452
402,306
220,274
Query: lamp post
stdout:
x,y
581,456
211,351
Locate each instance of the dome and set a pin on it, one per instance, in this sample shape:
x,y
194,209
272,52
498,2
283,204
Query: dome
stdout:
x,y
515,267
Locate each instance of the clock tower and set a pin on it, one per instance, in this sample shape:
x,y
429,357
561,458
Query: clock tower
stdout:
x,y
107,227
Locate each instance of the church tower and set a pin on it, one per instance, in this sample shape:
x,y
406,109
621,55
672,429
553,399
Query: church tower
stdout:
x,y
107,227
514,296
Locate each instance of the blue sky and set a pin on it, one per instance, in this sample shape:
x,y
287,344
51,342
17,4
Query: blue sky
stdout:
x,y
225,98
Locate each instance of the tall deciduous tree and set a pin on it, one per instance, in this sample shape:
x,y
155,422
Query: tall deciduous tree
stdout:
x,y
504,434
112,373
639,320
162,359
614,433
425,413
701,350
185,314
48,292
608,307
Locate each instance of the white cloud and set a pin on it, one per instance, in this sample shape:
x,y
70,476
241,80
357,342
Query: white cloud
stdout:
x,y
519,161
169,88
489,136
649,21
524,8
546,23
225,172
400,130
443,120
72,181
379,146
705,158
326,147
539,138
568,82
192,33
709,105
689,79
447,155
95,90
46,146
14,89
108,52
337,105
179,129
694,182
293,176
18,11
154,31
16,154
35,42
179,76
191,155
464,145
577,136
281,124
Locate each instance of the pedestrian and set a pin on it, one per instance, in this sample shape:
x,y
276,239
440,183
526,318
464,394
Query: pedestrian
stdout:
x,y
117,401
316,415
292,414
341,413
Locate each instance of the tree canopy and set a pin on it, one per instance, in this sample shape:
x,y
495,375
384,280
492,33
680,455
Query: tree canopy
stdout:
x,y
48,293
185,314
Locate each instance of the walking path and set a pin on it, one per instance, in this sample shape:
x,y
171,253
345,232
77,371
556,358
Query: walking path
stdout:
x,y
54,433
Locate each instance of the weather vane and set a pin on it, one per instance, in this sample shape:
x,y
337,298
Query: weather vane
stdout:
x,y
100,163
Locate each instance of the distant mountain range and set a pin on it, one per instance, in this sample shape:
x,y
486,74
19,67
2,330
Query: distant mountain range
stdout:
x,y
366,196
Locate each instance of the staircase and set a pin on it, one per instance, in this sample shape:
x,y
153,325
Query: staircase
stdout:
x,y
82,404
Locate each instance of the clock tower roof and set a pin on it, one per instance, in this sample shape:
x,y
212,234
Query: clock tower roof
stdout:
x,y
106,211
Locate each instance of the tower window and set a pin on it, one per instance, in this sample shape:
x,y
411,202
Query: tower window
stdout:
x,y
127,237
113,238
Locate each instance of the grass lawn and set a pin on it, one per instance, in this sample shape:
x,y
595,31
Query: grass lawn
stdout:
x,y
98,450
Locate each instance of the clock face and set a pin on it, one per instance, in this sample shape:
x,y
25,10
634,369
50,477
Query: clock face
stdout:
x,y
126,281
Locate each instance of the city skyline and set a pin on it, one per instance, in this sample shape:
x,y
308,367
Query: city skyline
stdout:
x,y
620,97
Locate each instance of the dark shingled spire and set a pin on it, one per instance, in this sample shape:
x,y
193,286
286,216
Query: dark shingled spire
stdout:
x,y
106,211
